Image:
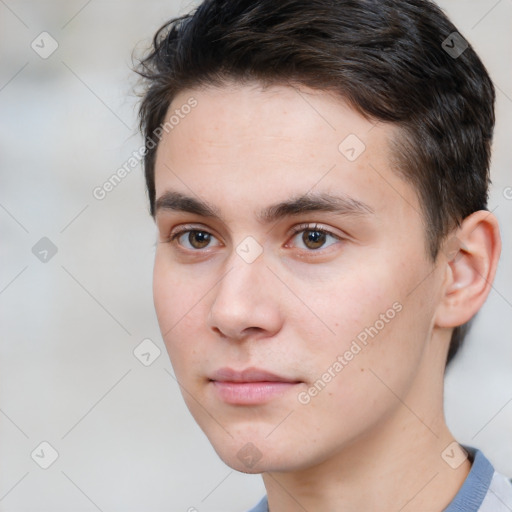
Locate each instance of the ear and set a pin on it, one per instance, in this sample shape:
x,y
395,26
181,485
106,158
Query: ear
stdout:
x,y
470,258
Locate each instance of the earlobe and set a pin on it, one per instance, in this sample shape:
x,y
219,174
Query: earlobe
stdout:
x,y
470,257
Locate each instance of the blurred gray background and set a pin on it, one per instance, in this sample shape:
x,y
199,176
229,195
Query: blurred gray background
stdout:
x,y
116,435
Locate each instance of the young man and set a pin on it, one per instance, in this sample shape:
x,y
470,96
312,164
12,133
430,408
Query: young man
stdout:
x,y
318,173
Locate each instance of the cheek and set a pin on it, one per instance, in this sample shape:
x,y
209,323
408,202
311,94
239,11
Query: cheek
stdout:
x,y
176,292
382,334
178,305
165,297
371,320
345,306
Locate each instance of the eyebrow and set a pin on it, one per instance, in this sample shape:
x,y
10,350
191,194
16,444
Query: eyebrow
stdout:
x,y
178,202
315,202
306,203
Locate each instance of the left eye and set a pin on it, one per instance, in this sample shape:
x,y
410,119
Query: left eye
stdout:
x,y
313,239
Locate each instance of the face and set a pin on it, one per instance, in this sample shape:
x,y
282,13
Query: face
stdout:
x,y
291,276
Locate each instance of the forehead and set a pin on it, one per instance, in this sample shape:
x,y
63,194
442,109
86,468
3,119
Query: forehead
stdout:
x,y
243,145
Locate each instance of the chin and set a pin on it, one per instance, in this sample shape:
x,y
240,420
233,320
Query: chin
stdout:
x,y
250,464
259,455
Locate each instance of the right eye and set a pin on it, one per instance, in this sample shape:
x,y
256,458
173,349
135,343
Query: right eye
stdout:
x,y
194,239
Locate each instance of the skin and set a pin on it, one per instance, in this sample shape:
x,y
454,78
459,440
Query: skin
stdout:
x,y
372,438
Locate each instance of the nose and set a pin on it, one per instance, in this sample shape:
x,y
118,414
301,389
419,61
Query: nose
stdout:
x,y
245,302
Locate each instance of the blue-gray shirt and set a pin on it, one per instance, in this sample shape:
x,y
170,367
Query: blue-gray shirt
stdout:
x,y
484,490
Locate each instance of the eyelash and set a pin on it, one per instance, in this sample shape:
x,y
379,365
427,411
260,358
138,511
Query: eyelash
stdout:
x,y
294,232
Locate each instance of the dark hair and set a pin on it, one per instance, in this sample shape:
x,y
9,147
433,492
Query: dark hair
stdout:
x,y
396,61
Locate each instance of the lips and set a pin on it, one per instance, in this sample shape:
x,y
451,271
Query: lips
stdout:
x,y
251,386
248,375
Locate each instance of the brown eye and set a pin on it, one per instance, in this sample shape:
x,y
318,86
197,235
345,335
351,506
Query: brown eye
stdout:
x,y
194,239
199,239
313,238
